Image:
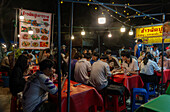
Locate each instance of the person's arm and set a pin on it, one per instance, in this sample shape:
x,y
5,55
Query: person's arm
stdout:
x,y
156,67
88,67
135,67
108,72
48,85
135,49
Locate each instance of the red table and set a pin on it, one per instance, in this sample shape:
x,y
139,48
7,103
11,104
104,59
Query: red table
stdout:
x,y
82,98
166,75
129,82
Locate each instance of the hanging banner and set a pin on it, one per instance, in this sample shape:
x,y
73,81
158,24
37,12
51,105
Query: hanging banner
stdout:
x,y
154,40
166,30
40,24
152,31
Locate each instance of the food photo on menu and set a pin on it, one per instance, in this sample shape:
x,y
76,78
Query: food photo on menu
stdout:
x,y
43,44
34,23
35,44
26,36
37,30
35,37
46,24
24,29
44,37
27,21
26,44
44,31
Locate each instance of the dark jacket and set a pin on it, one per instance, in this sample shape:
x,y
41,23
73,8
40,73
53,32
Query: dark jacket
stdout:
x,y
17,82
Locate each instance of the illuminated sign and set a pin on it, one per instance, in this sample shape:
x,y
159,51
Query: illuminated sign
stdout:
x,y
153,31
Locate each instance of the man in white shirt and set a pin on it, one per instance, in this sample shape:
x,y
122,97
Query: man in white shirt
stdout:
x,y
37,88
129,64
82,69
155,53
99,73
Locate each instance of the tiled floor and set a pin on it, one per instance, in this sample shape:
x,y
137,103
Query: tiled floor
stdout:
x,y
5,99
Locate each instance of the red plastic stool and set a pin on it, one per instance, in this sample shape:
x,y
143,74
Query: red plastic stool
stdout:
x,y
15,105
115,103
167,84
6,73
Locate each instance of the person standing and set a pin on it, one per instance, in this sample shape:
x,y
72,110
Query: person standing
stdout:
x,y
137,48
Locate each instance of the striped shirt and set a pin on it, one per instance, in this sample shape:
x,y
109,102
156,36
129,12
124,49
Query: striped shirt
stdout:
x,y
36,91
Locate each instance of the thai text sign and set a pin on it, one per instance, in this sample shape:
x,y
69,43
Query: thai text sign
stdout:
x,y
153,31
40,24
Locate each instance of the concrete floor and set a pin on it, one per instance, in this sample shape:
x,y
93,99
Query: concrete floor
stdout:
x,y
5,99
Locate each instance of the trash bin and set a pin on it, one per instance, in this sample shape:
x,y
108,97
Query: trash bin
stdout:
x,y
5,81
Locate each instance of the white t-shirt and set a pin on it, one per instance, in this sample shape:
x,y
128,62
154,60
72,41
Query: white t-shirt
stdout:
x,y
149,68
155,53
81,70
36,91
133,66
98,77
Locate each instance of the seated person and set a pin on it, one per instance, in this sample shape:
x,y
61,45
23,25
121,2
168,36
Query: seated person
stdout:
x,y
147,68
95,57
36,90
160,61
99,73
5,66
129,64
141,57
113,61
81,70
167,65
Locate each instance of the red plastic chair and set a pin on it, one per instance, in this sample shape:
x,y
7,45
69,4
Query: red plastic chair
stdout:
x,y
114,104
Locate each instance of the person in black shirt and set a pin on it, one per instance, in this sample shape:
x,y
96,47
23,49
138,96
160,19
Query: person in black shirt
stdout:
x,y
17,82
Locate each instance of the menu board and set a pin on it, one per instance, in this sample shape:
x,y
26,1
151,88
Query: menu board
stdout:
x,y
40,24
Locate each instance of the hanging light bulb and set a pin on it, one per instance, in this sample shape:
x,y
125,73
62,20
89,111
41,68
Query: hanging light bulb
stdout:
x,y
131,31
83,32
122,29
109,35
102,19
72,37
18,35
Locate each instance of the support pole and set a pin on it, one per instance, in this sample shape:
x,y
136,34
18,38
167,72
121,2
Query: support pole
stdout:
x,y
15,35
98,42
59,56
162,68
69,72
52,37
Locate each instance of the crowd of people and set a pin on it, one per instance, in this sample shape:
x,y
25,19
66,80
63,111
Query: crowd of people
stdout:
x,y
88,67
